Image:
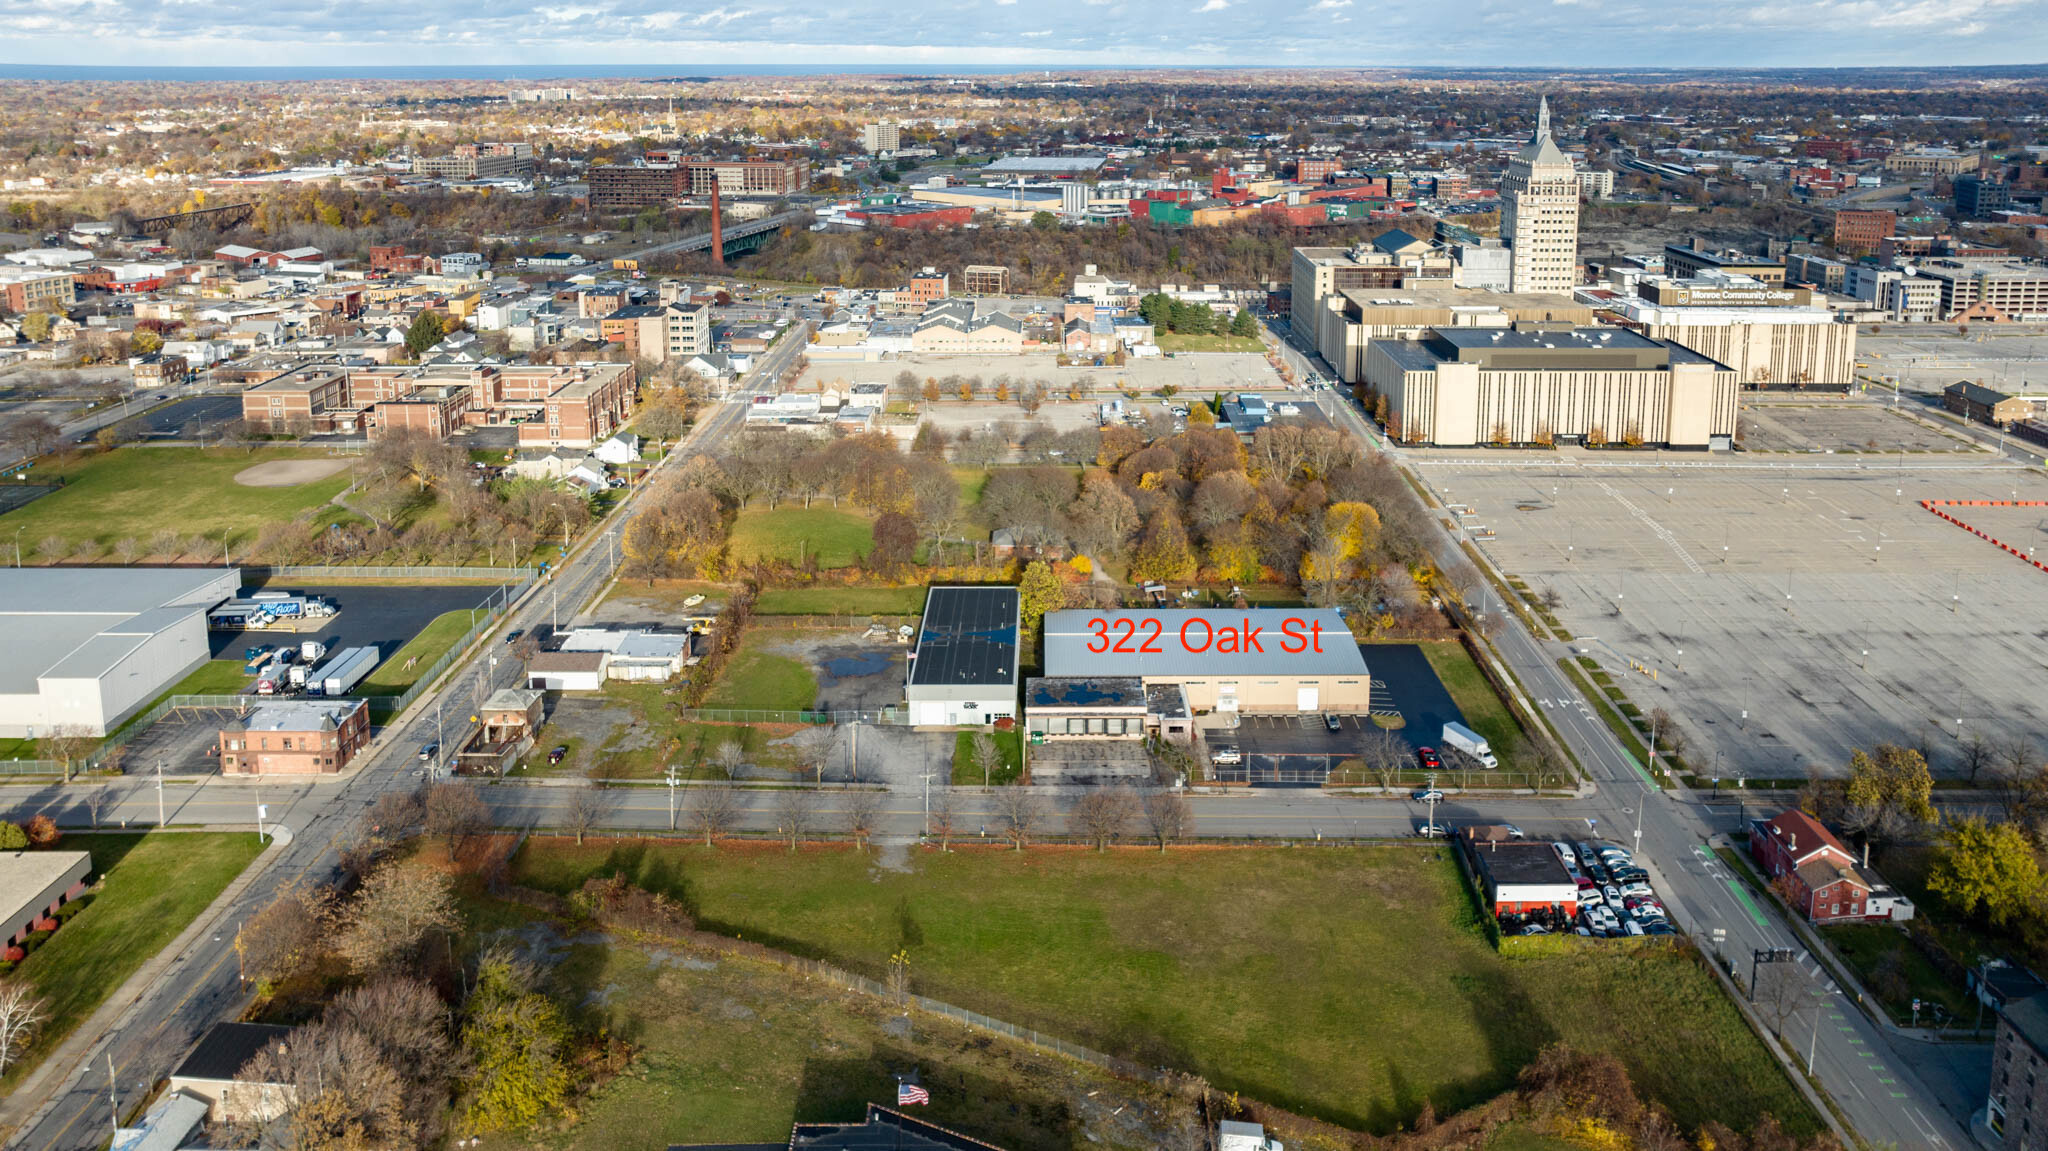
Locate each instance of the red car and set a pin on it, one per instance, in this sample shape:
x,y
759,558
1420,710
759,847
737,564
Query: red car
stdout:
x,y
1429,758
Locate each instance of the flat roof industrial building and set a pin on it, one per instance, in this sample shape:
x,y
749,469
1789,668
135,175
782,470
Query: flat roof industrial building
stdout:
x,y
1257,659
88,647
964,668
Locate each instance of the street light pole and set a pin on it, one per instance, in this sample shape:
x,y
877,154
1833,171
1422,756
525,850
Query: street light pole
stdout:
x,y
160,822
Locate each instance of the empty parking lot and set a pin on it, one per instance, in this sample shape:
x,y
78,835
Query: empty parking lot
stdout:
x,y
1790,615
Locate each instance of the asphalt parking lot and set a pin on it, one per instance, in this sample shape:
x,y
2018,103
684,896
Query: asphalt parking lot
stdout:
x,y
1299,749
1414,690
181,739
382,615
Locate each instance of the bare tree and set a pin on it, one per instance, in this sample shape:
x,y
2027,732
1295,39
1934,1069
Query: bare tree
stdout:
x,y
1386,755
1168,817
454,810
96,799
863,812
1976,754
1020,814
587,810
1104,815
713,810
945,817
729,756
988,755
21,1012
399,905
796,809
1782,990
70,742
276,941
399,815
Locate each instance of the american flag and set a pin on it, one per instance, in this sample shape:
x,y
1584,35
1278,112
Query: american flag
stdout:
x,y
908,1093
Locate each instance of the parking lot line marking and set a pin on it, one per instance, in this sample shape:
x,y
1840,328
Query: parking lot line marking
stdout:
x,y
1742,897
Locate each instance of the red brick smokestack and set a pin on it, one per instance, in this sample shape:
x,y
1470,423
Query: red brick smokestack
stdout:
x,y
717,225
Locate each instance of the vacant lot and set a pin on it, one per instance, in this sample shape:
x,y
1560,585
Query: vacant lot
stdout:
x,y
836,539
1176,342
151,886
841,601
402,668
135,493
737,1049
1348,984
757,677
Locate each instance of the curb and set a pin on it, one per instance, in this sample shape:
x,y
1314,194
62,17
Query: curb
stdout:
x,y
73,1057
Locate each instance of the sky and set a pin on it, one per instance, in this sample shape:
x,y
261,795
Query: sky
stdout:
x,y
934,33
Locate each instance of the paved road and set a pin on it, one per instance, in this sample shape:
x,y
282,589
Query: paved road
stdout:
x,y
202,986
1885,1102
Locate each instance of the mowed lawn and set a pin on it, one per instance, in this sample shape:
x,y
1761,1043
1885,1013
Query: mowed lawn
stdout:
x,y
756,678
1349,984
1180,342
152,887
137,492
1474,695
393,677
838,539
841,601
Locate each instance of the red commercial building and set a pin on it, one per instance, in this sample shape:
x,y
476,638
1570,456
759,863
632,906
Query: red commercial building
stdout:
x,y
1860,230
918,217
1835,151
1817,875
1314,171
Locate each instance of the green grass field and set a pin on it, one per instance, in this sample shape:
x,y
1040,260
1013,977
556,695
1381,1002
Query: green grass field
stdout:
x,y
1349,984
1474,695
841,601
730,1048
214,677
756,678
136,492
1864,946
1177,342
153,886
838,539
966,774
433,641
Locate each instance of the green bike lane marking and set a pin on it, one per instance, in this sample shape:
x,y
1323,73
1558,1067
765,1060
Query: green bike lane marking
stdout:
x,y
1748,905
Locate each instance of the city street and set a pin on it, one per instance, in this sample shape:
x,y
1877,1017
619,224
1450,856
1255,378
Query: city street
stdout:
x,y
67,1107
1882,1097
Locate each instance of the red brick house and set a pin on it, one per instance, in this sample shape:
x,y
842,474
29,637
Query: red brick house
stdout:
x,y
1821,877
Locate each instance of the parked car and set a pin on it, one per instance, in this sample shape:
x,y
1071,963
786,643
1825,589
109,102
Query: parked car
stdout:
x,y
555,756
1535,929
1226,754
1513,831
1637,888
1331,721
1565,852
1612,893
1429,758
1583,883
1631,874
1428,795
1632,927
1658,928
1432,831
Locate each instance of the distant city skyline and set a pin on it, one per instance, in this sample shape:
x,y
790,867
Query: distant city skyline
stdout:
x,y
771,34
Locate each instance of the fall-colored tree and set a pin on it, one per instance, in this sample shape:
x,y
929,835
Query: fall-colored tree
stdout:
x,y
1989,866
519,1047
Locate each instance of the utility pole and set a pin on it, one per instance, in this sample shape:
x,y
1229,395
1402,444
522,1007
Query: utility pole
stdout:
x,y
160,792
673,777
928,801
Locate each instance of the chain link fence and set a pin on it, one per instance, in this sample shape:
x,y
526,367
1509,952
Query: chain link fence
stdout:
x,y
520,576
882,717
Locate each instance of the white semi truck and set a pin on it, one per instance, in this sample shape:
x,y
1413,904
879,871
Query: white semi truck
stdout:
x,y
1470,742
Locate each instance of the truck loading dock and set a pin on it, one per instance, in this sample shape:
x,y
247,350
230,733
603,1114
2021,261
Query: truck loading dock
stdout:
x,y
1254,660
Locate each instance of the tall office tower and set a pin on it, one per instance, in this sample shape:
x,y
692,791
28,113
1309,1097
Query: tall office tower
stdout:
x,y
1539,213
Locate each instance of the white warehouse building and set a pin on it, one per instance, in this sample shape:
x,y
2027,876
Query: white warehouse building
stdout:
x,y
88,647
964,668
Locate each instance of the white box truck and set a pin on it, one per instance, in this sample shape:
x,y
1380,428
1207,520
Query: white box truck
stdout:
x,y
1470,742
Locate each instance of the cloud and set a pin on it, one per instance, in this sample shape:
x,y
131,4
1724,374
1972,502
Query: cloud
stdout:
x,y
720,17
1332,5
1214,6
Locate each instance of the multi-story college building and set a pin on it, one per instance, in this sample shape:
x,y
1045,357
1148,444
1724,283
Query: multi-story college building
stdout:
x,y
555,406
1539,213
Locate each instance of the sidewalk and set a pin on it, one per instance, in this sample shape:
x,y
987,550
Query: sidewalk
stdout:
x,y
72,1058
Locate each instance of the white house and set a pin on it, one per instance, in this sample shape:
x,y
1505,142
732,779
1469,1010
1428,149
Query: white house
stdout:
x,y
623,448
